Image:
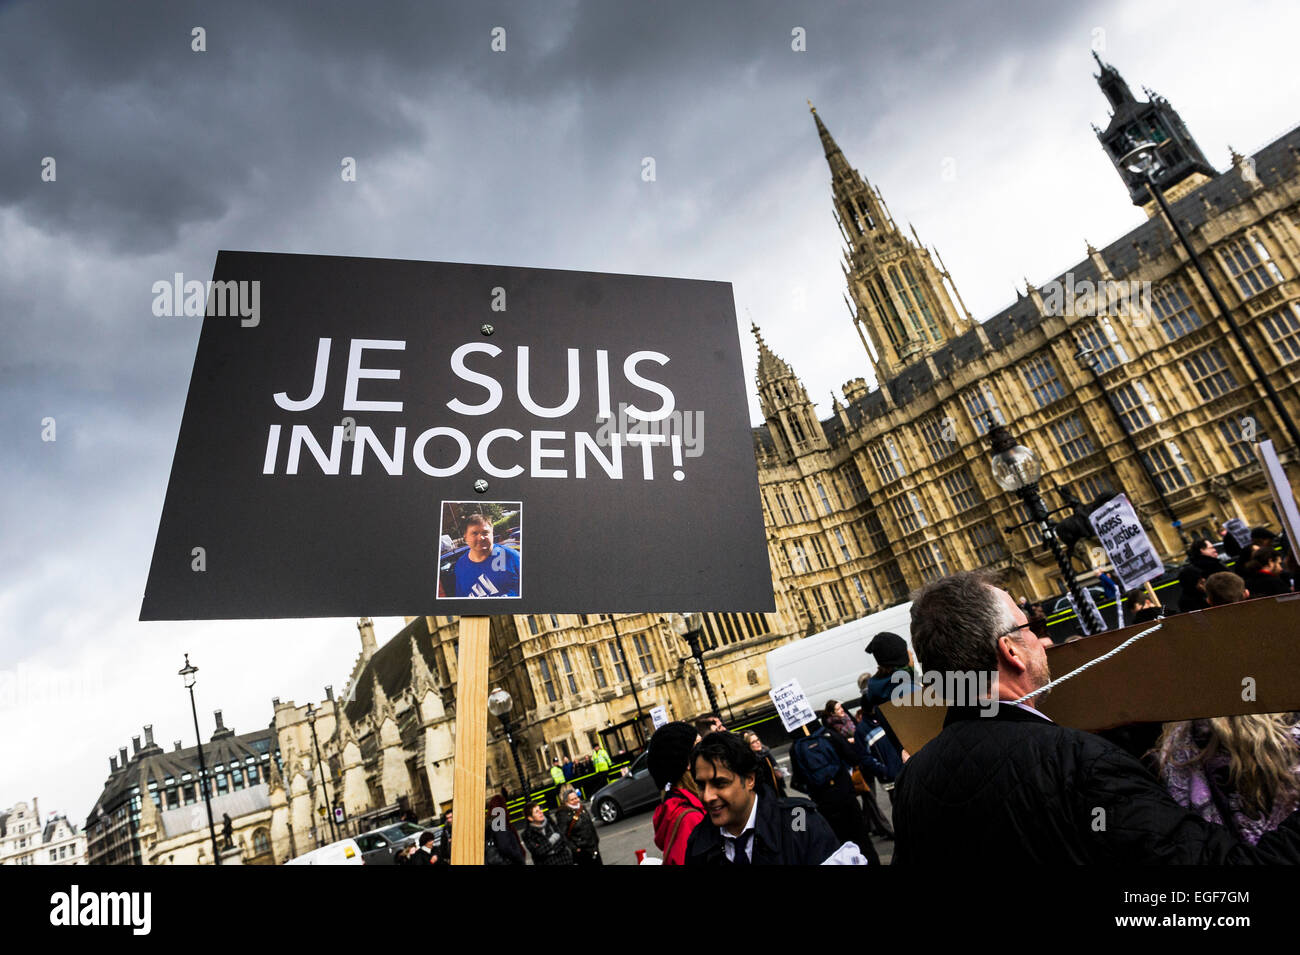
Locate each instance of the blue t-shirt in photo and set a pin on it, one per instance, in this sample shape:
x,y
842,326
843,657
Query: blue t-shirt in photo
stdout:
x,y
498,576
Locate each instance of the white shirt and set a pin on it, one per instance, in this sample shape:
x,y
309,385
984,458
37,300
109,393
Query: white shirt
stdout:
x,y
729,841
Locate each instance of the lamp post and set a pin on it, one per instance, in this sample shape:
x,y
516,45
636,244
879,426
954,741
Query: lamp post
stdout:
x,y
187,676
329,808
1143,160
1091,360
1017,470
690,627
499,705
627,668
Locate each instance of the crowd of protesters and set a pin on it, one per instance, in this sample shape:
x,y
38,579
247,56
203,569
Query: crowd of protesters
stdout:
x,y
1016,787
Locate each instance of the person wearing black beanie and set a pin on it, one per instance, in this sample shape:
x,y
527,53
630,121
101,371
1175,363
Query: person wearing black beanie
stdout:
x,y
680,809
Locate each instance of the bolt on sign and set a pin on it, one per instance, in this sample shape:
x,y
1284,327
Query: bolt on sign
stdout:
x,y
398,437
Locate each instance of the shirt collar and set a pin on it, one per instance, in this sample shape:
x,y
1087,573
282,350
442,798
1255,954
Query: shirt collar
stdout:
x,y
749,824
1028,709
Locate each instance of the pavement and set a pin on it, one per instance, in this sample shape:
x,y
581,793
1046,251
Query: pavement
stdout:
x,y
620,840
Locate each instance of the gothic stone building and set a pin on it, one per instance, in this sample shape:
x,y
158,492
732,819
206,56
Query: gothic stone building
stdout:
x,y
894,488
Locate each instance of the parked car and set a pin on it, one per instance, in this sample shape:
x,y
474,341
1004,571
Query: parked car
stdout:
x,y
343,852
627,794
378,846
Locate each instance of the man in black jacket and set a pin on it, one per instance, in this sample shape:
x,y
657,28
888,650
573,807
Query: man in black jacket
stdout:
x,y
745,827
1015,788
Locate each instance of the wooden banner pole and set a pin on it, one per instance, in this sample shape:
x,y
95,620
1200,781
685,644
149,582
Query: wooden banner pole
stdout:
x,y
469,786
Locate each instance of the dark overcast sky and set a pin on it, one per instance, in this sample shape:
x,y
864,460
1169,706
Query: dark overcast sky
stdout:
x,y
528,157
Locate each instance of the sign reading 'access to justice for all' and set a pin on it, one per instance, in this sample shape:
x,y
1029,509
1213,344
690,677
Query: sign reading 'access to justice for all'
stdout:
x,y
794,709
396,438
1126,543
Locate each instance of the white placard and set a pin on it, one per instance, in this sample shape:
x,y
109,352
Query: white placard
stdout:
x,y
792,705
658,716
1239,531
1126,543
1283,496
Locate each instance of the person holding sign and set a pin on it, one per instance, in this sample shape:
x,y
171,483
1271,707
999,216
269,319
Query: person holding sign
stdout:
x,y
486,569
1202,561
1020,790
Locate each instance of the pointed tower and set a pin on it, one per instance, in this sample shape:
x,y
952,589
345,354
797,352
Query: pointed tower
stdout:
x,y
791,417
1183,166
899,303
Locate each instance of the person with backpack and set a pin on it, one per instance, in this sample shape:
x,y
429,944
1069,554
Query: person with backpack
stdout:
x,y
878,759
822,766
680,808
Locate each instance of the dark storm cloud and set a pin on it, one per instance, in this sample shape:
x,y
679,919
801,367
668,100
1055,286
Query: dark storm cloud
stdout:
x,y
150,136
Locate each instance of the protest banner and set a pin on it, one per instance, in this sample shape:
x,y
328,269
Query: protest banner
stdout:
x,y
1117,526
792,705
1239,530
1228,660
658,716
388,437
369,435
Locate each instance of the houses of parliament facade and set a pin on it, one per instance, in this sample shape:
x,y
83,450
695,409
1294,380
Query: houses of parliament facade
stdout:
x,y
894,488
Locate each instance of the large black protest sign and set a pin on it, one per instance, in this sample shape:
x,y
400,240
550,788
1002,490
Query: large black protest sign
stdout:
x,y
391,437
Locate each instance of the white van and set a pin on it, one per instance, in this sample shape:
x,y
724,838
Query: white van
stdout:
x,y
827,664
343,852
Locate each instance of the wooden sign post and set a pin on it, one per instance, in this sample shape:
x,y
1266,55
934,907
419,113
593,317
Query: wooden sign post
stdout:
x,y
469,786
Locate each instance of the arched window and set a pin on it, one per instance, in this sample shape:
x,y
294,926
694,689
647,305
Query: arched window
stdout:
x,y
919,294
905,299
796,429
261,842
890,314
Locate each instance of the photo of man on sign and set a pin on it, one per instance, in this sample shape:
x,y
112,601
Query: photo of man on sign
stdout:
x,y
472,562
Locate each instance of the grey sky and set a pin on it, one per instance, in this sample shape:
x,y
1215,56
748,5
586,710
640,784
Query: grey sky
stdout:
x,y
528,157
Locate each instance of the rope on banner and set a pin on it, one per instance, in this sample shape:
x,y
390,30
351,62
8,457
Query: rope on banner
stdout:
x,y
1105,656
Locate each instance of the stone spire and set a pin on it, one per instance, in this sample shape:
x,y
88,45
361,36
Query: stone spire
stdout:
x,y
900,305
368,645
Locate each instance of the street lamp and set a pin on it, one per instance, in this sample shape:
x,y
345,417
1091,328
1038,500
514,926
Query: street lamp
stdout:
x,y
1091,361
1016,469
690,627
627,668
499,705
187,676
329,808
1144,160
